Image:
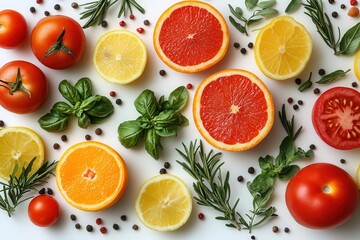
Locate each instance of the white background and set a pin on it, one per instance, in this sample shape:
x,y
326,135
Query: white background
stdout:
x,y
141,166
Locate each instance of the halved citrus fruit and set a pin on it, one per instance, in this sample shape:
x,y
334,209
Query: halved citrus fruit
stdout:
x,y
191,36
120,56
283,48
233,110
91,176
18,146
163,203
357,65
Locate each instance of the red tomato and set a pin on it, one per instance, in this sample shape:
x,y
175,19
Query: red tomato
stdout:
x,y
58,41
321,196
27,95
336,117
13,29
43,210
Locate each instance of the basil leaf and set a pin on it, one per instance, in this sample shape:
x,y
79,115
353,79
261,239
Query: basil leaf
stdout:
x,y
331,77
266,4
69,92
287,150
250,4
237,25
306,85
253,21
288,172
267,12
54,122
184,121
89,102
83,120
350,42
145,123
102,108
130,133
167,131
293,6
261,200
177,99
152,143
146,104
265,163
260,184
84,87
167,118
62,108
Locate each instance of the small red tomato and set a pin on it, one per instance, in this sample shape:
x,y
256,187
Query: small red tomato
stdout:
x,y
322,196
43,210
23,87
58,41
336,118
13,29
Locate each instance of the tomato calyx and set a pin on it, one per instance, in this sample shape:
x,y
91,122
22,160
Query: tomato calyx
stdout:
x,y
59,46
15,86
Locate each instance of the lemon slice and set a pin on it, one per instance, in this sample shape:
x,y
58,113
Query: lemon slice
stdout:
x,y
19,145
283,48
357,65
120,56
164,203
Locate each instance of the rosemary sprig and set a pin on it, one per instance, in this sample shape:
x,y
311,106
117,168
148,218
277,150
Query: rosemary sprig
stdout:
x,y
96,11
14,190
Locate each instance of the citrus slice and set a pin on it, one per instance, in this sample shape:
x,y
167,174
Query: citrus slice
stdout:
x,y
91,176
163,203
120,56
357,65
18,146
358,176
191,36
233,110
282,48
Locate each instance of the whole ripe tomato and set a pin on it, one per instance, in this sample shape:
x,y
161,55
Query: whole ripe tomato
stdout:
x,y
336,118
321,196
13,29
43,210
23,87
58,41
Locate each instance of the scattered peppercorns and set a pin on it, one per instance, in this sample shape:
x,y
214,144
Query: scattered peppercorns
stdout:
x,y
334,14
112,93
146,22
321,72
74,5
252,237
250,45
103,230
162,171
236,45
300,102
243,50
343,161
122,23
123,217
118,101
50,191
140,30
73,217
296,107
57,7
64,138
46,13
32,9
104,23
42,191
331,1
189,86
89,228
87,137
251,170
162,72
77,226
98,221
135,227
286,229
275,229
98,131
201,216
354,84
342,6
290,100
56,146
298,81
316,90
240,178
166,165
2,123
312,147
116,226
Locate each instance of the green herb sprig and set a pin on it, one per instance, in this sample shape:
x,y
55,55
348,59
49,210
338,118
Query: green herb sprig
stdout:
x,y
96,11
306,85
87,108
265,9
333,76
13,191
345,45
158,119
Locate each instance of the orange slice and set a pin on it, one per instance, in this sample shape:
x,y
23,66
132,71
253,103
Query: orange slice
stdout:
x,y
233,110
191,36
91,176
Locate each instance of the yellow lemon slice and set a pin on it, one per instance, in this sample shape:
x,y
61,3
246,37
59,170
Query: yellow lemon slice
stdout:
x,y
357,65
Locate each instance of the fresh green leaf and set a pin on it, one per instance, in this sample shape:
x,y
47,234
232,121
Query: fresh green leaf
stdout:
x,y
102,108
69,92
266,4
306,85
331,77
167,118
167,131
293,6
177,99
287,149
288,172
261,200
62,108
83,120
237,25
350,42
84,87
146,104
250,4
253,21
89,103
54,122
267,12
265,163
130,133
260,184
152,143
237,12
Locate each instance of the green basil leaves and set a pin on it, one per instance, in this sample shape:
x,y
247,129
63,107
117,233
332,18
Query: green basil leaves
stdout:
x,y
87,108
158,119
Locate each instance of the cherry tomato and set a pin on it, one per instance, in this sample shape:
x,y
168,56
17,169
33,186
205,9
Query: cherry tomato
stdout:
x,y
336,118
58,41
43,210
321,196
23,87
13,29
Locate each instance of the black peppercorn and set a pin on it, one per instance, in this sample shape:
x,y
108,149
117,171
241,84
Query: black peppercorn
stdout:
x,y
240,178
2,123
162,171
77,226
296,107
342,161
342,6
116,226
286,230
32,10
135,227
243,50
334,14
316,91
98,131
104,23
123,217
312,147
300,102
162,72
73,217
42,191
236,45
331,1
275,229
250,45
166,165
87,137
251,170
50,191
252,237
118,101
321,72
57,6
298,81
354,84
46,13
64,138
146,22
89,228
56,146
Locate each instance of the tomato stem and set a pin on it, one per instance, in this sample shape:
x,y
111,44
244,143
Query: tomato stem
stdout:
x,y
15,86
59,46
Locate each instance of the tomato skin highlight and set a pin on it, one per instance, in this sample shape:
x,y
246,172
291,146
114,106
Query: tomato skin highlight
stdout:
x,y
13,29
322,196
336,118
46,33
33,79
44,210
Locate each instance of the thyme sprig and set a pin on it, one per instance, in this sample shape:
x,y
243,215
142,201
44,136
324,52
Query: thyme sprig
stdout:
x,y
96,11
14,190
